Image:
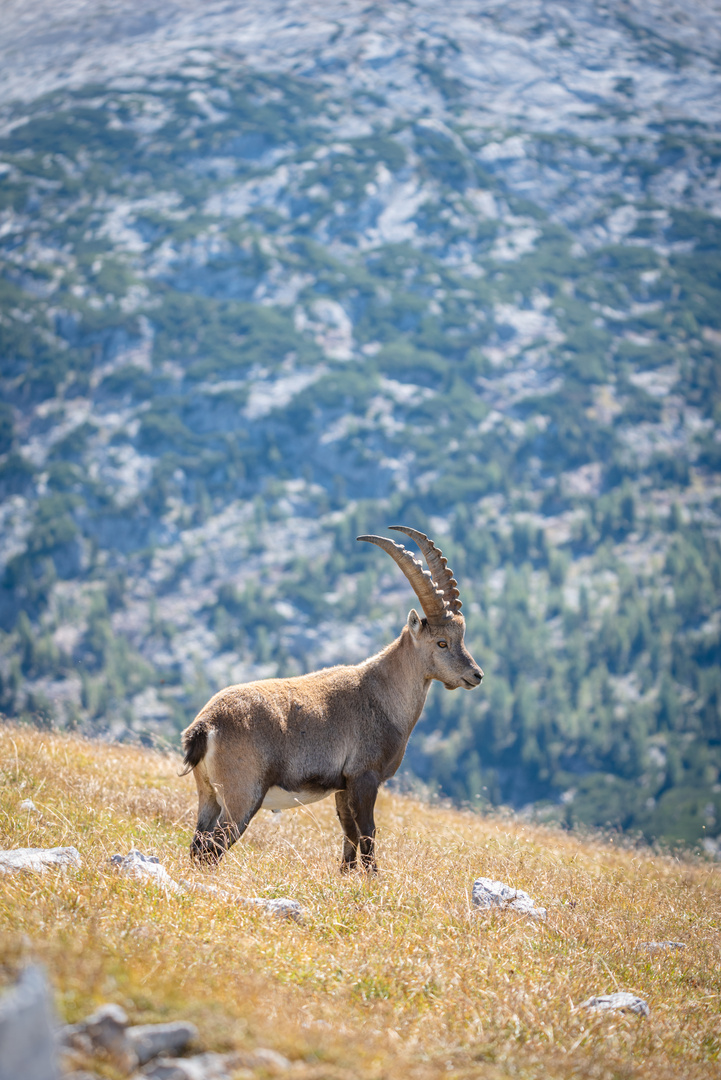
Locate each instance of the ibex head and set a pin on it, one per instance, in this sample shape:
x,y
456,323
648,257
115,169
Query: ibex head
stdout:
x,y
439,636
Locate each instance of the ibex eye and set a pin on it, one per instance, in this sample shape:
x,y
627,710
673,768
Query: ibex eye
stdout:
x,y
442,644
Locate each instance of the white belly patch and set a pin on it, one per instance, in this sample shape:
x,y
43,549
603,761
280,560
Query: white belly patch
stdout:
x,y
277,798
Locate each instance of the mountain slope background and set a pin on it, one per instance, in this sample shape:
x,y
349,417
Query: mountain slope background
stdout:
x,y
276,275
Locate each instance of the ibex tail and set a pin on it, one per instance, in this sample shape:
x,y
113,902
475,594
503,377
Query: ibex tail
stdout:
x,y
195,745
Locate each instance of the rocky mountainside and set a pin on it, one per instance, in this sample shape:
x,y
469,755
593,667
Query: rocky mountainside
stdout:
x,y
272,275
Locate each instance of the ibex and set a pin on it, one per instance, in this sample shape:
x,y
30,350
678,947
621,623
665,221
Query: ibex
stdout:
x,y
278,743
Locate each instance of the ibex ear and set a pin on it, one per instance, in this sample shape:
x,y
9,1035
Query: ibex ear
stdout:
x,y
414,623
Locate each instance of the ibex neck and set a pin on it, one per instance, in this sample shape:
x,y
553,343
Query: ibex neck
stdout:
x,y
400,681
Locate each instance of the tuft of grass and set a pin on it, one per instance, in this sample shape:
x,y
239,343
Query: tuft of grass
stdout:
x,y
389,976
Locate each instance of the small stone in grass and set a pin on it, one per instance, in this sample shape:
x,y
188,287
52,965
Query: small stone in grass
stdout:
x,y
148,866
106,1031
145,866
621,1001
214,1066
661,946
262,1057
38,859
200,1067
282,906
494,894
149,1040
28,805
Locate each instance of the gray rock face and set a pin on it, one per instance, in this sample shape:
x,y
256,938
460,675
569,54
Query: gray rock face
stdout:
x,y
619,1002
494,894
27,1040
38,859
149,1040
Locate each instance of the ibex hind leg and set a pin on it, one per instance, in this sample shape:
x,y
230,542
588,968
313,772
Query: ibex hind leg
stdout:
x,y
203,848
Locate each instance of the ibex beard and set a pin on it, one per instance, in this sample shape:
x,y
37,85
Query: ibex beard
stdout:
x,y
281,743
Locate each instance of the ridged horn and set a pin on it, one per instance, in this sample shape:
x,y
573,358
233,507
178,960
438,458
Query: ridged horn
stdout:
x,y
430,597
438,566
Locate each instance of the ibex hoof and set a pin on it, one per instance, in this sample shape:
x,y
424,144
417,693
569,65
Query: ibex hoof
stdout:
x,y
347,867
205,852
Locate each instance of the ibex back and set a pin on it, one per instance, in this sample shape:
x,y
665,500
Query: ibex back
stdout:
x,y
278,743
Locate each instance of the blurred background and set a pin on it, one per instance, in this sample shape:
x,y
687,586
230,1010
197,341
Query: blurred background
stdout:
x,y
274,274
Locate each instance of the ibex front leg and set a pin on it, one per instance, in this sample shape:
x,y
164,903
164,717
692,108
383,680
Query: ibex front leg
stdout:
x,y
355,810
351,836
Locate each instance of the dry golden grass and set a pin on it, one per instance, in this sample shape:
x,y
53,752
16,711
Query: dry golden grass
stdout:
x,y
391,976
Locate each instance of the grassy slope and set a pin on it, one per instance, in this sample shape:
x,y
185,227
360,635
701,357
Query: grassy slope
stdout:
x,y
394,976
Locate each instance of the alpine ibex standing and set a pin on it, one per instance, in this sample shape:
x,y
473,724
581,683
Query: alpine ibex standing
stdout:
x,y
278,743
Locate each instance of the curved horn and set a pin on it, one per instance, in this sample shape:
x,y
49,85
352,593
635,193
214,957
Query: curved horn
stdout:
x,y
440,571
424,587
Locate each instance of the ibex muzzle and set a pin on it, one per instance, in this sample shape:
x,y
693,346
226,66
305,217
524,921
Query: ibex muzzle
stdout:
x,y
279,743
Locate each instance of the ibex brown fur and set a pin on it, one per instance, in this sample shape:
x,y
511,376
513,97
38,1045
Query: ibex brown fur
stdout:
x,y
278,743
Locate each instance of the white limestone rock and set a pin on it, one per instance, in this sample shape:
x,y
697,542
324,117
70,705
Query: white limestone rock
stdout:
x,y
282,906
495,894
146,866
662,946
149,866
621,1001
207,890
38,859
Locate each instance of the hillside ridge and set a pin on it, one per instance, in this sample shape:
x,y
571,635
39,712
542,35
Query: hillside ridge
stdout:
x,y
387,975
